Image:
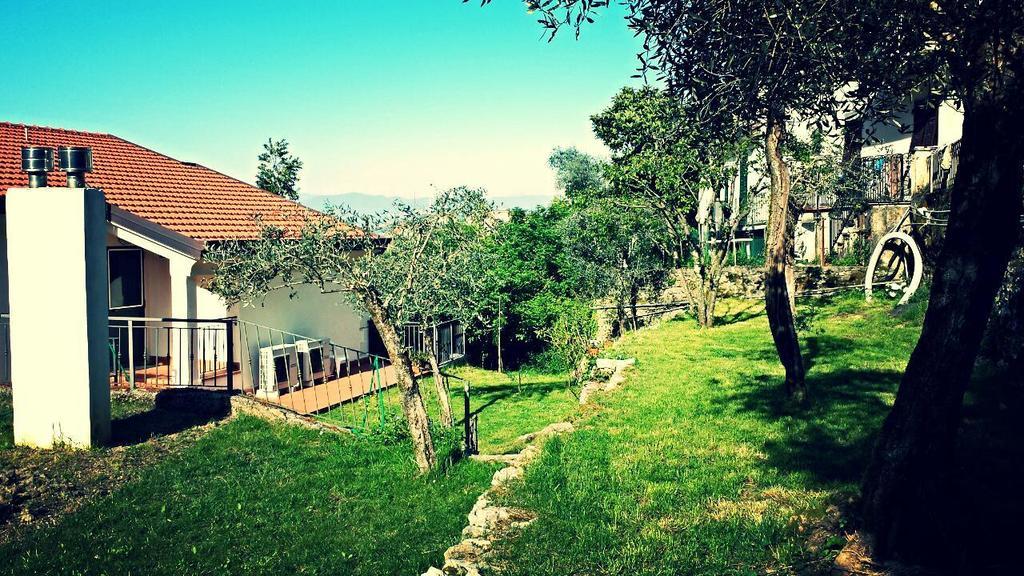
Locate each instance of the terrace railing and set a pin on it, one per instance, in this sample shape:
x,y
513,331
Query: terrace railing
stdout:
x,y
348,387
888,179
172,352
449,340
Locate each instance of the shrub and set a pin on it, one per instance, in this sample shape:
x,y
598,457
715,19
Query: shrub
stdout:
x,y
570,336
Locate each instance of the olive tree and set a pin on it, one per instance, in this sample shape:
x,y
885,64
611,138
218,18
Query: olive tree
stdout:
x,y
382,264
669,162
772,67
450,284
626,249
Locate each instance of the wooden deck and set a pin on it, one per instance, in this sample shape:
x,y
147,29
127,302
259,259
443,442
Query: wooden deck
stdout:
x,y
309,399
322,397
157,377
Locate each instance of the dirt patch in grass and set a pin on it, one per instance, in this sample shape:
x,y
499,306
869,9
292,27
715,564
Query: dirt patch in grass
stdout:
x,y
38,487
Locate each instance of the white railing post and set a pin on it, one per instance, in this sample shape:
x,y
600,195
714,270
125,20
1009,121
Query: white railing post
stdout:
x,y
131,355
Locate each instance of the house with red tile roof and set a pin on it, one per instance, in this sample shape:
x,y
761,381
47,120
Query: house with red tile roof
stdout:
x,y
163,213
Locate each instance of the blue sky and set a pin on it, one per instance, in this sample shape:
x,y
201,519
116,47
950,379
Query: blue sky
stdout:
x,y
379,97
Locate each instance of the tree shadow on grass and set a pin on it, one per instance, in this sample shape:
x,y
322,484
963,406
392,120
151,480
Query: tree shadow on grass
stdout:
x,y
173,412
830,439
813,347
495,394
749,310
829,442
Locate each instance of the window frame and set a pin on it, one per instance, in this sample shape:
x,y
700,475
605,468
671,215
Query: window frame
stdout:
x,y
142,278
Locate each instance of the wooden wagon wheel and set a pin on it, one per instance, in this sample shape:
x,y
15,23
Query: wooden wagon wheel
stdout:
x,y
899,256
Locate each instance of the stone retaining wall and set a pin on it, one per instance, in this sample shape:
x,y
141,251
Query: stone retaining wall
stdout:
x,y
748,281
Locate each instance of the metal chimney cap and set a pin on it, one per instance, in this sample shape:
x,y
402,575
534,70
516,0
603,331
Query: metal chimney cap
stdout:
x,y
75,159
36,159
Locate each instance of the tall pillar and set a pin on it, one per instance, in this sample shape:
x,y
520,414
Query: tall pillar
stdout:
x,y
57,269
183,305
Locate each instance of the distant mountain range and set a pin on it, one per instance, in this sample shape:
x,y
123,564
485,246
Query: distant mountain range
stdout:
x,y
370,203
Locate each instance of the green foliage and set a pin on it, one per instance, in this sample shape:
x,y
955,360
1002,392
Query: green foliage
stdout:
x,y
531,272
670,162
654,157
755,260
626,249
278,170
397,266
577,174
855,255
570,335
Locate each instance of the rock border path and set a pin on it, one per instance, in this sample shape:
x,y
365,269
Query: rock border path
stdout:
x,y
488,522
617,376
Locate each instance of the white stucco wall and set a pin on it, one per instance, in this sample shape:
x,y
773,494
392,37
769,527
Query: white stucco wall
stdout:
x,y
156,284
951,124
209,305
310,313
58,280
888,138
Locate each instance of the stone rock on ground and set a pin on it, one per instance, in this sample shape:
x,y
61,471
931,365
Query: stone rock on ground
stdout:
x,y
547,432
487,522
616,378
505,474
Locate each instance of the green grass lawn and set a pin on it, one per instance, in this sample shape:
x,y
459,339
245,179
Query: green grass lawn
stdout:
x,y
510,405
254,497
507,405
698,465
695,466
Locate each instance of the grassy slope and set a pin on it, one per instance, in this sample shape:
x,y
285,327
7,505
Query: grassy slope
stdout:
x,y
696,466
252,497
508,405
256,497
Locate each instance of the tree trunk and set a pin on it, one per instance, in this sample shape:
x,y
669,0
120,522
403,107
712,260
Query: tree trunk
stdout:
x,y
440,384
634,297
619,326
412,401
907,493
501,367
779,277
707,299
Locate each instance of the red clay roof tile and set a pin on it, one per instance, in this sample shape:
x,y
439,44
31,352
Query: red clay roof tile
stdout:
x,y
183,196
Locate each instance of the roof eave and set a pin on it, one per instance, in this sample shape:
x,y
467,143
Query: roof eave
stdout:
x,y
162,235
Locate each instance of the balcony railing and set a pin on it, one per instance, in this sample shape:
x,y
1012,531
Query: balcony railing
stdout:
x,y
154,353
888,179
449,340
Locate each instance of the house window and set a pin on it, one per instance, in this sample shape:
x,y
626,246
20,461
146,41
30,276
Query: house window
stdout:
x,y
926,125
124,267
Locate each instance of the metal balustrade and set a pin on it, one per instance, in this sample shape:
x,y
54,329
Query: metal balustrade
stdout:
x,y
153,353
351,387
449,340
345,386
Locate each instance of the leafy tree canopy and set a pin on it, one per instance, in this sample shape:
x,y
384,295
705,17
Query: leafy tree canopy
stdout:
x,y
278,171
